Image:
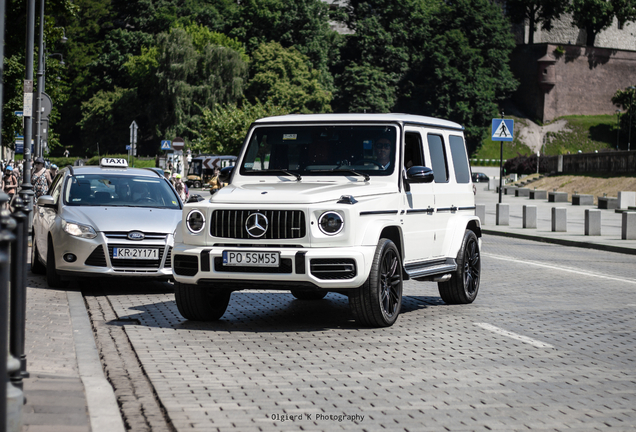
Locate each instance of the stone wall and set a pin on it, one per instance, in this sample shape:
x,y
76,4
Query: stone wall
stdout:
x,y
558,80
615,162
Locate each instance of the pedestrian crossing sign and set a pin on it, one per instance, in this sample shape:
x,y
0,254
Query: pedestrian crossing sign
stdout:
x,y
166,145
502,129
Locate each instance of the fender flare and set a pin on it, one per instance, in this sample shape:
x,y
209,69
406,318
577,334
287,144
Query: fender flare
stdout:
x,y
458,225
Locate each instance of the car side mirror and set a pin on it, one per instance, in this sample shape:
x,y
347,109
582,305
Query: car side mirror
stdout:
x,y
46,201
226,173
419,174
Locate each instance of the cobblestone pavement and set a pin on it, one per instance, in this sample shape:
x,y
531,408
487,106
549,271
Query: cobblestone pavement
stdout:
x,y
548,345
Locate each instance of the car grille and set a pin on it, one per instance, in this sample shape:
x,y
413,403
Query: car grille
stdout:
x,y
123,235
168,262
283,224
136,263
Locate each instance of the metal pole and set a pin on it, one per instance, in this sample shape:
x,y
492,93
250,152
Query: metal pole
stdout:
x,y
4,255
18,290
37,105
501,164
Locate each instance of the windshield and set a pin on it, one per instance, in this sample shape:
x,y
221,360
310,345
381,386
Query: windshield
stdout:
x,y
195,167
320,150
119,191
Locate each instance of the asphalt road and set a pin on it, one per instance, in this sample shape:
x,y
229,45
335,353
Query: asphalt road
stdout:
x,y
549,344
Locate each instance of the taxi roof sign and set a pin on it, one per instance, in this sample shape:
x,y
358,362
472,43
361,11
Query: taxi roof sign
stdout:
x,y
113,163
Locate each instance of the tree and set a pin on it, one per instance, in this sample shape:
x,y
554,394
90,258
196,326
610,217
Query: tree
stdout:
x,y
223,128
626,99
282,75
302,24
597,15
536,12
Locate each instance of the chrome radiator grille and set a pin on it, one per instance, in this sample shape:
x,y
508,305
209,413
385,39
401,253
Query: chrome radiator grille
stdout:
x,y
282,224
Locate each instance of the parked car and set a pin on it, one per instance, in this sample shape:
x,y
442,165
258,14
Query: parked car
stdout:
x,y
109,220
346,203
479,177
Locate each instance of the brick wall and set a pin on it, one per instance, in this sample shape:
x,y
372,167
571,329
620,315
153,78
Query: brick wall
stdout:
x,y
582,80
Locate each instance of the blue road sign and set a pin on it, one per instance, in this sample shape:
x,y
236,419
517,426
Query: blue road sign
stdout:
x,y
166,145
127,147
502,130
19,113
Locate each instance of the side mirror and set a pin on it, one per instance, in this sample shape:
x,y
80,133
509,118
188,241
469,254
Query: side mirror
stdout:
x,y
420,174
46,201
226,173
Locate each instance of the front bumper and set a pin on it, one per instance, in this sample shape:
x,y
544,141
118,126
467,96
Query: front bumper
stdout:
x,y
327,268
94,257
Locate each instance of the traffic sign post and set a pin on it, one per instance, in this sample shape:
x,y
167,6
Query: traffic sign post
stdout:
x,y
502,130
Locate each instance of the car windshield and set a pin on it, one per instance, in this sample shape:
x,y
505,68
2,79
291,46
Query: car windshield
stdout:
x,y
319,150
119,191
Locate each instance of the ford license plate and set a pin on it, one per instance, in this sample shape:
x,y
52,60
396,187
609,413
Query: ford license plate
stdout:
x,y
136,253
251,259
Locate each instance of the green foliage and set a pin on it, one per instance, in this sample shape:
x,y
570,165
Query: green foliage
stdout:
x,y
106,119
367,89
188,78
140,67
584,133
202,36
536,12
223,128
282,76
303,24
597,15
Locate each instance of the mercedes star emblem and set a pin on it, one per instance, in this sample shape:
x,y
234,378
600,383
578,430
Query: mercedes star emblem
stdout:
x,y
256,224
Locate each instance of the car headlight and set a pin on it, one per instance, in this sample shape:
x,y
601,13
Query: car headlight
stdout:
x,y
330,223
195,221
79,230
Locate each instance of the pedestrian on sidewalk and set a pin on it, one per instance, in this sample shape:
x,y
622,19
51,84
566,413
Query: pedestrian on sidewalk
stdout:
x,y
38,179
9,182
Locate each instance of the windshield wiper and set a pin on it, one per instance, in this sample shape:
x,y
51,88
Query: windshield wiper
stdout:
x,y
344,170
284,171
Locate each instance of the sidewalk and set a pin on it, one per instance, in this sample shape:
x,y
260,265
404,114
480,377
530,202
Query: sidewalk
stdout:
x,y
609,240
66,390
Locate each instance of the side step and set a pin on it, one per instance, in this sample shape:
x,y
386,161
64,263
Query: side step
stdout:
x,y
425,270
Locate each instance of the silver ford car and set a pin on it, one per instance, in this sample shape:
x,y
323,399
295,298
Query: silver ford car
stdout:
x,y
110,220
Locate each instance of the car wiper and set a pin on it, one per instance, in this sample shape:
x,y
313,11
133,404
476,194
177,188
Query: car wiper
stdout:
x,y
284,171
345,171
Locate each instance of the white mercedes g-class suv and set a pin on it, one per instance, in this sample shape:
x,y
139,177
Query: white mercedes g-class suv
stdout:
x,y
347,203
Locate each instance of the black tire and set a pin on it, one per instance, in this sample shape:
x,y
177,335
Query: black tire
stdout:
x,y
198,303
463,286
53,279
377,303
36,265
196,184
309,294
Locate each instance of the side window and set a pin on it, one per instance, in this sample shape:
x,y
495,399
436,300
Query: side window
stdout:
x,y
56,187
438,158
460,160
413,150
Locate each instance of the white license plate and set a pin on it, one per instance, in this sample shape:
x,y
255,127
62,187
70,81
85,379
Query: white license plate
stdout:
x,y
251,259
136,253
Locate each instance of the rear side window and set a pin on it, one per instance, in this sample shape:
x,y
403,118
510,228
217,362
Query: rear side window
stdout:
x,y
438,158
460,161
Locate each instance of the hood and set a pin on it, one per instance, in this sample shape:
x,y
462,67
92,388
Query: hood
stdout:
x,y
303,192
125,218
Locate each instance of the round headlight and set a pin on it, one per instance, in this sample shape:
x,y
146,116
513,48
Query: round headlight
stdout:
x,y
330,223
195,221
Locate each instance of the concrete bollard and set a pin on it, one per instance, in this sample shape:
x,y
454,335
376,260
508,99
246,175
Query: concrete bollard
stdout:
x,y
626,199
559,219
538,194
503,214
493,183
628,226
582,199
557,197
522,192
529,216
592,222
480,212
